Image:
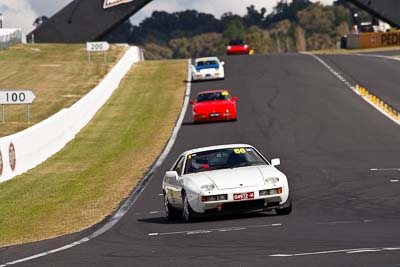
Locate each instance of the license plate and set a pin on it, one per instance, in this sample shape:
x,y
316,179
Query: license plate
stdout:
x,y
214,115
243,196
208,75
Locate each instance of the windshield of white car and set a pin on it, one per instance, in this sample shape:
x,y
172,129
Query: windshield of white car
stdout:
x,y
228,158
213,96
207,63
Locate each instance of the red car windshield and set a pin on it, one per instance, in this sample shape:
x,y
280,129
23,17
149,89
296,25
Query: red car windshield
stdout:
x,y
237,42
223,159
213,96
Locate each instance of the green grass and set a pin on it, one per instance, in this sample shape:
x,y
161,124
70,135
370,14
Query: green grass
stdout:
x,y
58,74
87,180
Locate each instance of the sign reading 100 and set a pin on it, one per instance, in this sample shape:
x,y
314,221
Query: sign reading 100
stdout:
x,y
15,97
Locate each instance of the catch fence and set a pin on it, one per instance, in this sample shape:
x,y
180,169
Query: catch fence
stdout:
x,y
9,37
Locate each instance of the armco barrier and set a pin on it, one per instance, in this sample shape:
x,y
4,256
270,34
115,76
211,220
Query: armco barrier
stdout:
x,y
25,150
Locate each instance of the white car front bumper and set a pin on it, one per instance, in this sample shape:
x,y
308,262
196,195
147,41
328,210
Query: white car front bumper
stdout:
x,y
207,76
230,205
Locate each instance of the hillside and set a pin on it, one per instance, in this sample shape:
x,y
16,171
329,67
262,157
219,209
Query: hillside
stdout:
x,y
291,27
58,74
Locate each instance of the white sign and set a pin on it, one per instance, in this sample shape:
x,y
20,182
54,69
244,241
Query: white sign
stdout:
x,y
111,3
16,97
97,46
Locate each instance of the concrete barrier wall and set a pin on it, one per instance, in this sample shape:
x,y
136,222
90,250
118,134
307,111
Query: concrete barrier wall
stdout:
x,y
373,40
353,41
25,150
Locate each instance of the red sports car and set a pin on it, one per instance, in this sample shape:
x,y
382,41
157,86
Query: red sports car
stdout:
x,y
237,47
214,105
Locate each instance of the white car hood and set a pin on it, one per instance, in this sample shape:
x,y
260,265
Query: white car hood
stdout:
x,y
237,177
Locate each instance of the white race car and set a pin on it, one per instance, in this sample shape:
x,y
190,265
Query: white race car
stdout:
x,y
224,179
208,68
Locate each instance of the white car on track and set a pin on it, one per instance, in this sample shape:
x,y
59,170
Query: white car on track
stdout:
x,y
207,68
224,179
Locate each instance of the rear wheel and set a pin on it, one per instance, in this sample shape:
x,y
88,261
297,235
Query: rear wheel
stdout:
x,y
187,214
287,209
171,212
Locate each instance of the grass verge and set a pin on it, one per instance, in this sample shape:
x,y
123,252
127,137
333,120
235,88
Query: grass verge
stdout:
x,y
87,180
58,74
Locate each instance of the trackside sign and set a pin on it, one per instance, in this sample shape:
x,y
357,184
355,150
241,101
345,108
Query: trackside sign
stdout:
x,y
111,3
16,97
97,46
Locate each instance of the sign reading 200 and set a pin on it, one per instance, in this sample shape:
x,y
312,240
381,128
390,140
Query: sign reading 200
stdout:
x,y
97,46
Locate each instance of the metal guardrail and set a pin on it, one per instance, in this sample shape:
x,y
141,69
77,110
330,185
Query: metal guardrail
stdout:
x,y
10,39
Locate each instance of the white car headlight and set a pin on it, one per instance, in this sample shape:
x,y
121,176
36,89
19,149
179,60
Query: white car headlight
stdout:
x,y
271,180
208,187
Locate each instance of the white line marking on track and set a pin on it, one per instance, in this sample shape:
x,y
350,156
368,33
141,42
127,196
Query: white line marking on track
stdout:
x,y
135,195
155,212
363,251
347,251
394,181
207,231
382,170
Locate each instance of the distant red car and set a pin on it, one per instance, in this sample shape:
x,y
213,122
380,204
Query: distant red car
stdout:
x,y
237,47
214,105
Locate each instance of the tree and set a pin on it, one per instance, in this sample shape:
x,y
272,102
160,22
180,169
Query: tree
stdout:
x,y
254,17
256,38
234,30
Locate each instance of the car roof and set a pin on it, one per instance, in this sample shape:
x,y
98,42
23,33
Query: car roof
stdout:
x,y
212,91
206,59
209,148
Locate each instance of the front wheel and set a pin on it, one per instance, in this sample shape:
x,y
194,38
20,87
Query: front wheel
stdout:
x,y
170,212
187,214
287,209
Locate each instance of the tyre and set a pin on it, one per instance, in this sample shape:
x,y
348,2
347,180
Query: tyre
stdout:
x,y
287,209
187,214
171,212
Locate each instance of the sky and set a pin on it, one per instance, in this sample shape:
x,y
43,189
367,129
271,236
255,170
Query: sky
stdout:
x,y
22,13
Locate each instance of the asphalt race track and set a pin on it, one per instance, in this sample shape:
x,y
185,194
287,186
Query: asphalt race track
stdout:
x,y
328,138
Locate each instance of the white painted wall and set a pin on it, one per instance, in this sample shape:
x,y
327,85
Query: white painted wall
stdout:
x,y
39,142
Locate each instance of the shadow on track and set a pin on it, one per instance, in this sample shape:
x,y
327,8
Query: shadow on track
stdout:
x,y
164,220
191,123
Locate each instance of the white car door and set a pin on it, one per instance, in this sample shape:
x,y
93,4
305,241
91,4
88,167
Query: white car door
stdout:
x,y
175,187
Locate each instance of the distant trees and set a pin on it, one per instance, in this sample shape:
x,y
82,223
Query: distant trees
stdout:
x,y
298,25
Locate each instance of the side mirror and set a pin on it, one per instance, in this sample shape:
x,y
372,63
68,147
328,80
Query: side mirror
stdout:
x,y
222,63
275,162
235,98
192,102
171,175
